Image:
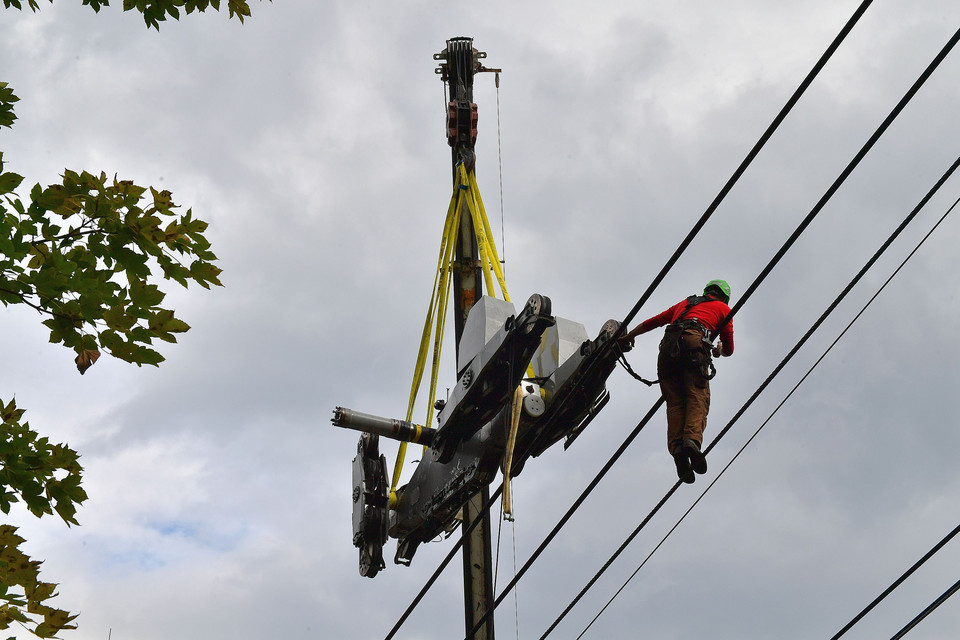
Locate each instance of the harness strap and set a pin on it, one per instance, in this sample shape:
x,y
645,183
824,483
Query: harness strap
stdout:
x,y
693,323
707,370
699,358
692,301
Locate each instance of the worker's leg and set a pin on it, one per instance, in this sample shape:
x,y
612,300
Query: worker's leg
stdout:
x,y
670,369
695,386
697,397
673,394
672,388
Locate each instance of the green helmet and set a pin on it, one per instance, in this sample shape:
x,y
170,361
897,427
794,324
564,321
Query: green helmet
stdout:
x,y
719,285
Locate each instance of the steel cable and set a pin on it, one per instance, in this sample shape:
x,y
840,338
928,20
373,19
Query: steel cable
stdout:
x,y
446,560
736,417
896,583
791,102
923,614
773,262
807,81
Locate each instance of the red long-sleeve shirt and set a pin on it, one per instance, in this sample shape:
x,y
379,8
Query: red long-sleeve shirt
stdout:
x,y
710,314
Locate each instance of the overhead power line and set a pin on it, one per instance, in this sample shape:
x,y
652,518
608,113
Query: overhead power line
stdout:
x,y
444,563
896,583
763,275
790,241
807,81
907,97
923,614
773,374
791,102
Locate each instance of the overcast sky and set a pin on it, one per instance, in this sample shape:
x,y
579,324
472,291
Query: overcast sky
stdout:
x,y
312,140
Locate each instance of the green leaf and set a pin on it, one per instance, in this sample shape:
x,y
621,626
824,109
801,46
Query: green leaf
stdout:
x,y
204,272
55,334
146,355
7,98
9,182
145,295
51,198
117,318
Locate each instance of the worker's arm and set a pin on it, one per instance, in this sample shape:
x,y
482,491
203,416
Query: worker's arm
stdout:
x,y
659,320
724,345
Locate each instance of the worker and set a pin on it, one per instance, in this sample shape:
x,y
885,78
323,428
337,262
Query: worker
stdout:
x,y
685,369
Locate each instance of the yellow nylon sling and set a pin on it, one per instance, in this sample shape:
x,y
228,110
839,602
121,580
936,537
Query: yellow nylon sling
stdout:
x,y
488,250
437,307
466,193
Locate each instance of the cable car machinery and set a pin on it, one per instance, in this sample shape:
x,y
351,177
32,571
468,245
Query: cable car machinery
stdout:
x,y
529,363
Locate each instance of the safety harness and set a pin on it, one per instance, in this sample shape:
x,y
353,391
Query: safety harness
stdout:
x,y
698,357
692,323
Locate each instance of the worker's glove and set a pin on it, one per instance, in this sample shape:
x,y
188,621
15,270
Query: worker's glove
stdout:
x,y
717,350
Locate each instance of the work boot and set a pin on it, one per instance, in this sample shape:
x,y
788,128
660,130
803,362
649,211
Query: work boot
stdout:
x,y
697,460
682,459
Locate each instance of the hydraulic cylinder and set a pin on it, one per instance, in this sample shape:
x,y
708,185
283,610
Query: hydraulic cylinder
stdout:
x,y
387,427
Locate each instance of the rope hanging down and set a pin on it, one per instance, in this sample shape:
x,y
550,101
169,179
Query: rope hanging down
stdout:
x,y
466,194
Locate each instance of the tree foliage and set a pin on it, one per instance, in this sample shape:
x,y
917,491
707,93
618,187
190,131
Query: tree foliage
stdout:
x,y
82,253
23,593
154,11
86,254
46,477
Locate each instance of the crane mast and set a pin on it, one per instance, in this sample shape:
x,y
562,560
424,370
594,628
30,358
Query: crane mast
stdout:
x,y
497,416
459,62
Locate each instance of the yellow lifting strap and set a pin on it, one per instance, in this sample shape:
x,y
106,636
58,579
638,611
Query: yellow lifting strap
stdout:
x,y
436,309
466,193
488,250
508,455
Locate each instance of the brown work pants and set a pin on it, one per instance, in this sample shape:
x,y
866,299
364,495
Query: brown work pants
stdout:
x,y
685,389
